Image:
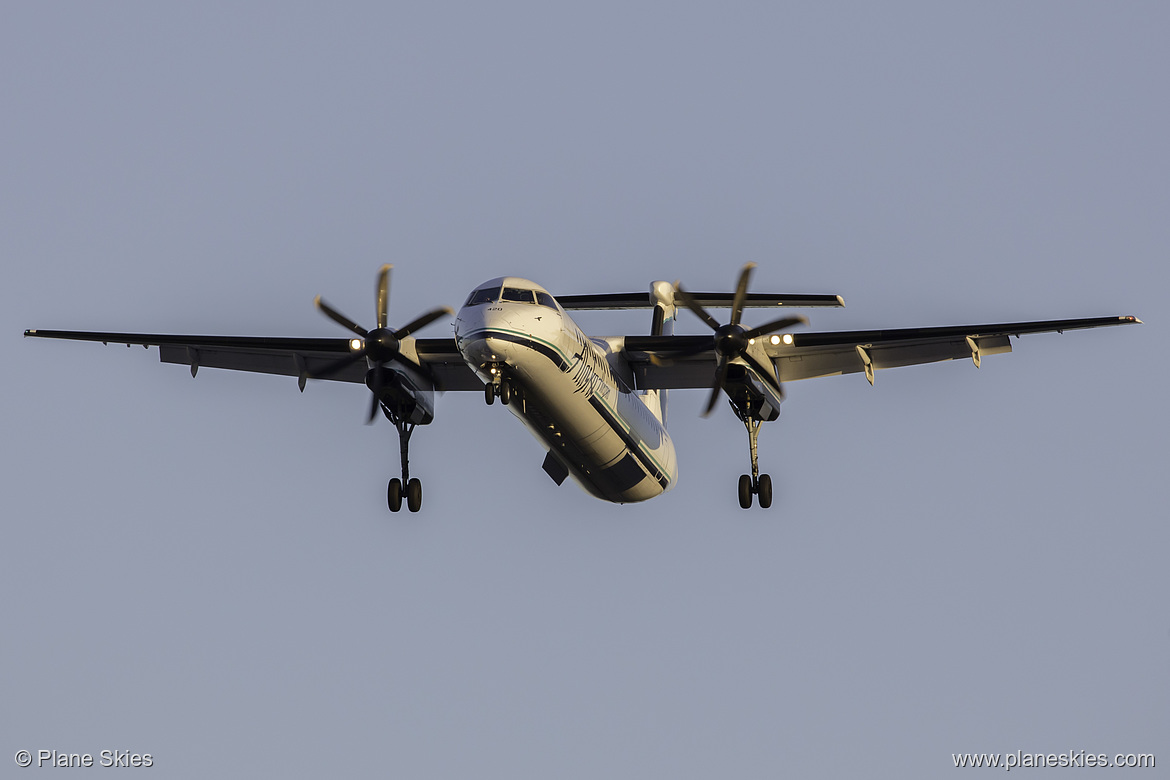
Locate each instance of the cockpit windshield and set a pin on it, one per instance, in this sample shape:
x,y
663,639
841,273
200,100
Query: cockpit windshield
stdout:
x,y
510,295
517,295
483,295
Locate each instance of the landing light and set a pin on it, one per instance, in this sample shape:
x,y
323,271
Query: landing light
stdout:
x,y
355,344
775,340
787,338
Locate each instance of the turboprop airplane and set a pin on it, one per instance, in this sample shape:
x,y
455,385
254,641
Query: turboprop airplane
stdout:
x,y
596,405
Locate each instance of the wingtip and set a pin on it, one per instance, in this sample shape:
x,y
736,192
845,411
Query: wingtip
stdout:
x,y
1133,319
841,301
28,333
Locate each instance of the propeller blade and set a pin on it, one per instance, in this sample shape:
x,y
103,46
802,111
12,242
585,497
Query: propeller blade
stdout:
x,y
422,322
375,394
338,365
775,325
384,295
741,292
717,385
373,409
682,295
338,317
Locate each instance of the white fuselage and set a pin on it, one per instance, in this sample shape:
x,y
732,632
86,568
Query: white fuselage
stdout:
x,y
568,393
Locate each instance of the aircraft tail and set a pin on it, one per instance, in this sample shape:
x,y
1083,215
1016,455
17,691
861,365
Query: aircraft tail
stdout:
x,y
662,294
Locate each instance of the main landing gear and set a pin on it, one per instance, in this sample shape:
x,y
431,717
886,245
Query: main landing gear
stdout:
x,y
381,347
406,487
756,484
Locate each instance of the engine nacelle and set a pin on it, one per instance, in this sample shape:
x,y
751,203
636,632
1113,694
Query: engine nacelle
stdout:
x,y
408,395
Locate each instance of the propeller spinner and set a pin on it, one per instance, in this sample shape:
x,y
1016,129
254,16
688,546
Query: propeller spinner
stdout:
x,y
380,345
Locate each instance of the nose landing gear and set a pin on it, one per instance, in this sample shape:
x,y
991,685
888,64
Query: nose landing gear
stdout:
x,y
500,386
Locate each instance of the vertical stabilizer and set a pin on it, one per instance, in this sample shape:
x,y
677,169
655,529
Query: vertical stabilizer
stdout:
x,y
662,324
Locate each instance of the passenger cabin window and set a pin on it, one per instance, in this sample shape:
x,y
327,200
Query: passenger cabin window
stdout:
x,y
544,299
483,295
517,295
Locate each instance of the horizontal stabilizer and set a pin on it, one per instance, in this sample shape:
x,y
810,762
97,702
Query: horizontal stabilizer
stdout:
x,y
712,300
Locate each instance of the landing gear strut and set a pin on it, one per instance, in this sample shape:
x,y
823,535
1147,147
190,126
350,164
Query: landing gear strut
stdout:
x,y
756,484
397,488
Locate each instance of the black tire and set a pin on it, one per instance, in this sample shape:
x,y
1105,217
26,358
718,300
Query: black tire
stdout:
x,y
489,393
745,491
505,392
414,495
394,494
764,491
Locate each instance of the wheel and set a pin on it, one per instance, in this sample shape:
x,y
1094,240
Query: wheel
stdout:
x,y
413,495
745,491
394,494
489,393
764,491
505,392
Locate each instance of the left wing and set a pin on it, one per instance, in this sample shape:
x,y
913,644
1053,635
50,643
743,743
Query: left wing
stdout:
x,y
299,357
839,352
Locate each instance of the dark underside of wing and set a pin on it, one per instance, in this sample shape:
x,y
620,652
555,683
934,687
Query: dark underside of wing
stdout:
x,y
840,352
278,355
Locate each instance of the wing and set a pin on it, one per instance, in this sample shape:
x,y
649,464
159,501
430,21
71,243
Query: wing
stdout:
x,y
840,352
299,357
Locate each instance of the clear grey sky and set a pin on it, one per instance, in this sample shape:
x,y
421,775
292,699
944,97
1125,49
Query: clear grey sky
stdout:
x,y
958,560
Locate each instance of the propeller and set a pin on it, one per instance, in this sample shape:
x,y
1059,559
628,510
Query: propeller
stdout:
x,y
732,339
380,345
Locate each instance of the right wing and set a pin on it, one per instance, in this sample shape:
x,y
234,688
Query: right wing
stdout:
x,y
298,357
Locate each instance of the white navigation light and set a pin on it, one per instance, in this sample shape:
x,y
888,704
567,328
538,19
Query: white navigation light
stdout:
x,y
355,344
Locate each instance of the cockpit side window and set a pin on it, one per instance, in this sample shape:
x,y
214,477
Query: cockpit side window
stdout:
x,y
544,299
483,295
517,295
